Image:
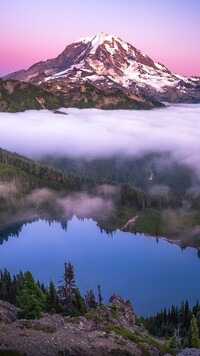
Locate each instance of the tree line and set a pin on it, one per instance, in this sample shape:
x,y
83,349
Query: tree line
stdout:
x,y
44,175
27,176
180,324
134,171
34,298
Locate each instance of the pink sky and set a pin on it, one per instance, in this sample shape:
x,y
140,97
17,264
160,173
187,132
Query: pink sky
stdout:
x,y
35,30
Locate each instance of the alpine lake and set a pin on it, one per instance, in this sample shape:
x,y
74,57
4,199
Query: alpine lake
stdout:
x,y
152,273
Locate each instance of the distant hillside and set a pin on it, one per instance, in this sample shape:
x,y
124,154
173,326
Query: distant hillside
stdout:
x,y
19,96
30,191
151,172
34,175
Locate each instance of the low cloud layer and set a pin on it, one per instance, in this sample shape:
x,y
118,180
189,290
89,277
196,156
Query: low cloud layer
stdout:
x,y
50,205
159,190
80,204
83,205
7,189
95,133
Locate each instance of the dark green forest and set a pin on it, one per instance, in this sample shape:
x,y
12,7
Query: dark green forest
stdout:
x,y
173,214
34,298
31,174
142,172
177,323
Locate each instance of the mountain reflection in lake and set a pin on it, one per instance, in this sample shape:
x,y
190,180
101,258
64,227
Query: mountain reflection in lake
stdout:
x,y
152,273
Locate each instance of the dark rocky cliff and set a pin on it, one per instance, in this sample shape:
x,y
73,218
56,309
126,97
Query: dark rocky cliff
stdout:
x,y
108,330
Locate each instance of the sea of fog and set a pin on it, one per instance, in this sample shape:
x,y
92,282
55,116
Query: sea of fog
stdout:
x,y
92,133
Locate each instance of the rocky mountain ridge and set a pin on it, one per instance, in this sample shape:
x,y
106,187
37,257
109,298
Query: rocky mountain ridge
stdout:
x,y
107,62
107,330
19,96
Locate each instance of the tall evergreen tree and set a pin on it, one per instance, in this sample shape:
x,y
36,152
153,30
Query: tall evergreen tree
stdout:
x,y
67,289
79,305
90,300
198,320
10,288
52,303
187,315
31,301
69,294
194,334
6,286
100,298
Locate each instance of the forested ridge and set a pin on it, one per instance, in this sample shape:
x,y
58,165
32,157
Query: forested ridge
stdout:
x,y
141,172
16,96
13,165
20,176
179,323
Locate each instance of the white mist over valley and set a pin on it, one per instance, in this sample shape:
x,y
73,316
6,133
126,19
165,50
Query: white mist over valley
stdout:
x,y
93,133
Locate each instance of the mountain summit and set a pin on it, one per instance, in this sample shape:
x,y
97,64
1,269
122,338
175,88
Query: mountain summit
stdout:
x,y
107,62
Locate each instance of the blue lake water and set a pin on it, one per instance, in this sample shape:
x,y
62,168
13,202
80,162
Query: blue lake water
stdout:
x,y
152,275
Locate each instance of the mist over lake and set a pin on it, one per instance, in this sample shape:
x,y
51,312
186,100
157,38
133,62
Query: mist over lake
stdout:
x,y
91,134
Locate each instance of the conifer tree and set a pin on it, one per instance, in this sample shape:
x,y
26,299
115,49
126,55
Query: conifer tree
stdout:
x,y
15,291
79,305
100,298
194,333
6,286
52,303
90,300
187,315
67,290
31,301
198,320
69,294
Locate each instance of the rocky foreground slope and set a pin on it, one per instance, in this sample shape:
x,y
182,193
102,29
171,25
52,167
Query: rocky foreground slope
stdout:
x,y
109,330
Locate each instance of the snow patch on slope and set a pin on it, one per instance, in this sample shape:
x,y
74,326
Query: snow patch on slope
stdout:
x,y
128,71
85,39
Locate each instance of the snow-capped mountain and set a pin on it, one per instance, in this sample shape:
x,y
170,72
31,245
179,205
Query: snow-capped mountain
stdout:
x,y
107,62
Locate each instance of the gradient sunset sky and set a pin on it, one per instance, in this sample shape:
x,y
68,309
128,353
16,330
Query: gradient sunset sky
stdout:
x,y
166,30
